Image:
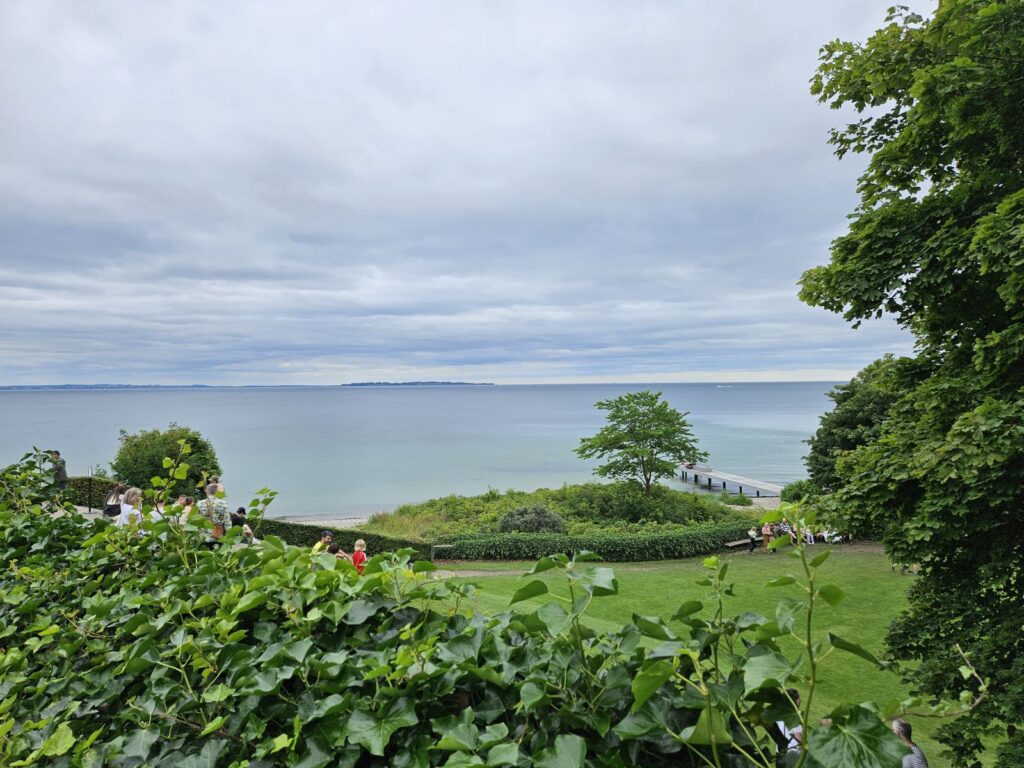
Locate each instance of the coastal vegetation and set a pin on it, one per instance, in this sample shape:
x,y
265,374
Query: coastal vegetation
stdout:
x,y
937,243
587,508
134,646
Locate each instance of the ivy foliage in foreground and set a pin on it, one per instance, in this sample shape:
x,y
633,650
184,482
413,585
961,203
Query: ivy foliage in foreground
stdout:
x,y
130,647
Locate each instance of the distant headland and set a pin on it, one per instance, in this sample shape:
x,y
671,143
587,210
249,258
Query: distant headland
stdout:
x,y
419,384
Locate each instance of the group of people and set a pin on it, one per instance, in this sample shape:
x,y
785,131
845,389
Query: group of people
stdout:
x,y
125,506
326,544
770,532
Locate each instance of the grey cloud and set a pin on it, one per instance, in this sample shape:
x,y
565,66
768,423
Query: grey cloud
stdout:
x,y
265,193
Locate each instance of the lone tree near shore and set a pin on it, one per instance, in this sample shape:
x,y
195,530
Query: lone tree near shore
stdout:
x,y
644,439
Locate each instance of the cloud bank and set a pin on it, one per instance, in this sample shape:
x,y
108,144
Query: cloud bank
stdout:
x,y
322,192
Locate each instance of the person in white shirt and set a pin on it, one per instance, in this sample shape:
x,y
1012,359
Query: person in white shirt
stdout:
x,y
131,508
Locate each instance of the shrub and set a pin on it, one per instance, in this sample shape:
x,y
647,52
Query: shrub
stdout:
x,y
78,491
535,519
611,505
141,458
735,499
697,540
798,489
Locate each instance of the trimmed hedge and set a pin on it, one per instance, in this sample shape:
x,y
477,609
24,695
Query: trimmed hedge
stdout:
x,y
78,491
699,540
308,534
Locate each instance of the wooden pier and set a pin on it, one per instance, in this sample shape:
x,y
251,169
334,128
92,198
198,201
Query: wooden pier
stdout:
x,y
706,476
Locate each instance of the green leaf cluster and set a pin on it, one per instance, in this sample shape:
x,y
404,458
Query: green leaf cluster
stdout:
x,y
127,647
937,242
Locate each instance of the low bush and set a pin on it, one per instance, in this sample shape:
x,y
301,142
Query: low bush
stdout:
x,y
535,519
78,491
308,534
735,499
697,540
799,489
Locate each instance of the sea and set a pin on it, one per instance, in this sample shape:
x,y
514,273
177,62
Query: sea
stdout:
x,y
348,451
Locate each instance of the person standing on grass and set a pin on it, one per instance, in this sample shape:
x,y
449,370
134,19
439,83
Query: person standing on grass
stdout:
x,y
766,536
359,555
916,758
752,535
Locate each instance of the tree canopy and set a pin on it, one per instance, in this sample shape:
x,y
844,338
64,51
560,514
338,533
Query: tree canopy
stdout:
x,y
645,439
860,407
937,241
141,457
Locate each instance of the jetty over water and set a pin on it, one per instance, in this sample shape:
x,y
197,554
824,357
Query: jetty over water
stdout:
x,y
713,477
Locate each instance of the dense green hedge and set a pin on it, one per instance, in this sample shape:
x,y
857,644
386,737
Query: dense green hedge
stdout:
x,y
78,491
699,540
308,534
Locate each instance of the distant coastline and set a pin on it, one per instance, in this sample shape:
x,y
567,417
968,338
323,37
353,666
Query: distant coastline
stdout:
x,y
30,387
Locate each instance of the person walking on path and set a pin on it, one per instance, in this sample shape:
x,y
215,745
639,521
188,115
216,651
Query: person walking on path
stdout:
x,y
916,758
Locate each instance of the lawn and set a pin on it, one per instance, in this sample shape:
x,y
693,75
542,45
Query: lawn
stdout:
x,y
874,595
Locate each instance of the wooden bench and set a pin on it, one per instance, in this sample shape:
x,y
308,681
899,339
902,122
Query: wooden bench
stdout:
x,y
738,543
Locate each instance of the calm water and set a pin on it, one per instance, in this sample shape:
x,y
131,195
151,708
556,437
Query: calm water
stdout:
x,y
352,450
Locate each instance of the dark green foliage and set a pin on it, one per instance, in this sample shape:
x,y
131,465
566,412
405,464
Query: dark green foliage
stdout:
x,y
141,458
78,491
308,534
799,489
856,418
152,650
534,519
585,508
616,548
937,241
644,440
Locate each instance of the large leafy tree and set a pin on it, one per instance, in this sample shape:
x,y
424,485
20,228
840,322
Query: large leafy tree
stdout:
x,y
860,408
937,241
141,457
645,439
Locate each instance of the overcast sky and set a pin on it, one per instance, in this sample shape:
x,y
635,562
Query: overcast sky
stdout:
x,y
313,193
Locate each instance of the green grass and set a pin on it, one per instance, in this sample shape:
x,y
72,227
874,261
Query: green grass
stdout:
x,y
874,595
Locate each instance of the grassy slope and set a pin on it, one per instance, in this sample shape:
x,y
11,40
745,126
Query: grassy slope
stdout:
x,y
874,596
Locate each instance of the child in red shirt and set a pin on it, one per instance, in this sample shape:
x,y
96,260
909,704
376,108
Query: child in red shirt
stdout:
x,y
359,555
